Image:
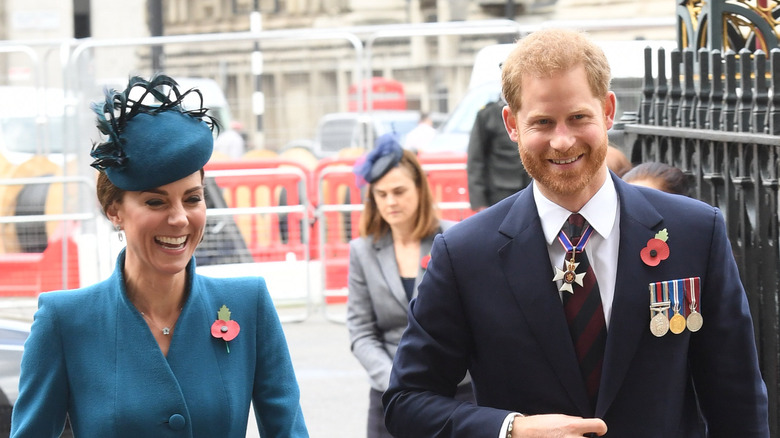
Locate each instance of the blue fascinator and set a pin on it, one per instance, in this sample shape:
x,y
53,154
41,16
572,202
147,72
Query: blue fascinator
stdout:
x,y
374,165
151,145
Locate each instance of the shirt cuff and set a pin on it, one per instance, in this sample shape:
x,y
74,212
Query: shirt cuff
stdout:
x,y
503,432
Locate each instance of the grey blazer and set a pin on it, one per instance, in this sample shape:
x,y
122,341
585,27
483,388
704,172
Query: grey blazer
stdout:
x,y
377,304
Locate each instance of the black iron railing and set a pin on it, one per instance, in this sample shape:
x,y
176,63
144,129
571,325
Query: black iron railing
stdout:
x,y
717,117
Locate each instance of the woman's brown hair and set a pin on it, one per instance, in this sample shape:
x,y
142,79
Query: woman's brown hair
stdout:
x,y
427,219
108,193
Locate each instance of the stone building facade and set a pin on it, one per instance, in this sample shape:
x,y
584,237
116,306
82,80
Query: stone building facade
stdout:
x,y
305,79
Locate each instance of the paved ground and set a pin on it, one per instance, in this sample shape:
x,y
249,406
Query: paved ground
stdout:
x,y
334,387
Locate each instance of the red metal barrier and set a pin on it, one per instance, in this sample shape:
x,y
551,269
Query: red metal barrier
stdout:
x,y
27,274
336,187
263,233
449,183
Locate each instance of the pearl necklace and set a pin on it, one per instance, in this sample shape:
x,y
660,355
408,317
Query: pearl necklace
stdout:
x,y
165,330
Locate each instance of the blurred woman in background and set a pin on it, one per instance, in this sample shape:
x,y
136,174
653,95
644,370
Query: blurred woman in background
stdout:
x,y
387,262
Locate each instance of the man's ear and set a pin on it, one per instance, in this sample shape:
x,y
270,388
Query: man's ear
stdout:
x,y
510,123
610,107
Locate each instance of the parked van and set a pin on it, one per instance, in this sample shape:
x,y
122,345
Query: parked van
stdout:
x,y
626,59
213,98
337,131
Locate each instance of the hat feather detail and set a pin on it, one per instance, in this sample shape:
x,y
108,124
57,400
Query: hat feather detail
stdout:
x,y
119,108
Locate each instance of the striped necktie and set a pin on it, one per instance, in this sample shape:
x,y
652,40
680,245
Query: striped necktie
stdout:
x,y
584,312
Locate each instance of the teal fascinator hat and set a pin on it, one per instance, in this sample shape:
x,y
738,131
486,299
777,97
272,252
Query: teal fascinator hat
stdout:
x,y
151,145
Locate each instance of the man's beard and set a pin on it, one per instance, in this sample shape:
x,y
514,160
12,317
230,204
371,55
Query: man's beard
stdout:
x,y
565,182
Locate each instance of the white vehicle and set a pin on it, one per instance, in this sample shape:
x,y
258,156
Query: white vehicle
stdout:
x,y
31,123
337,131
213,98
626,59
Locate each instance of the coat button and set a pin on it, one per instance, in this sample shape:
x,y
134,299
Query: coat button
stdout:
x,y
176,422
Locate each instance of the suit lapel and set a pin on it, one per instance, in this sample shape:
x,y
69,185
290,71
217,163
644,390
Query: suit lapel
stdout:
x,y
385,255
526,265
638,223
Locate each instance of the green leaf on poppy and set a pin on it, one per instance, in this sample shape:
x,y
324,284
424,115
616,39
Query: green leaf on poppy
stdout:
x,y
224,313
662,235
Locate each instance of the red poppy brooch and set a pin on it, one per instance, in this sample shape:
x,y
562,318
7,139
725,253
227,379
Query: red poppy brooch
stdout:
x,y
425,260
656,250
224,327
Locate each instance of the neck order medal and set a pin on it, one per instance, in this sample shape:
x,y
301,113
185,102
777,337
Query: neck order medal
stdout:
x,y
570,275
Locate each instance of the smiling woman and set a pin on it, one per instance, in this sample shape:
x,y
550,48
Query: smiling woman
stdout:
x,y
133,355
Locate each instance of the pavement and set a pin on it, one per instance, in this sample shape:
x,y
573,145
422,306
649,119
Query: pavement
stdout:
x,y
334,387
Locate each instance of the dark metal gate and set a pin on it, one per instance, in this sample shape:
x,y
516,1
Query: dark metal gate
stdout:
x,y
717,117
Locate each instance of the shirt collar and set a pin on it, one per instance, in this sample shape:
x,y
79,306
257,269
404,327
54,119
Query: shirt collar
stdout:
x,y
600,211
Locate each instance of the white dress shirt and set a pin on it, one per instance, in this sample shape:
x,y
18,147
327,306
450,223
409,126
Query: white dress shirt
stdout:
x,y
601,212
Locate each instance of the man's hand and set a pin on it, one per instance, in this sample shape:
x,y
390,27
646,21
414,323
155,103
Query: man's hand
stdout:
x,y
556,426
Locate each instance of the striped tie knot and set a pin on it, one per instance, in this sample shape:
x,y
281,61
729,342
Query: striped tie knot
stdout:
x,y
574,226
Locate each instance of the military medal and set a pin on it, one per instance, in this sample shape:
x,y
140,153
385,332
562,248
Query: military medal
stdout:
x,y
659,306
659,324
677,321
695,320
570,275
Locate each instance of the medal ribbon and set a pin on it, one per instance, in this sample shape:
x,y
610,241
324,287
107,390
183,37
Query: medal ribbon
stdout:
x,y
692,293
564,239
676,286
659,294
653,297
663,296
665,288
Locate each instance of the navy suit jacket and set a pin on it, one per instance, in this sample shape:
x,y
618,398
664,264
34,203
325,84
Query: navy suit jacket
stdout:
x,y
91,355
488,304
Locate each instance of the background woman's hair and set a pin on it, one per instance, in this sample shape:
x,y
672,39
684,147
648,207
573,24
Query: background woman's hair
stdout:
x,y
427,220
669,178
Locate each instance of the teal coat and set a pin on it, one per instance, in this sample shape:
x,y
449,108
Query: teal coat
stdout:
x,y
91,355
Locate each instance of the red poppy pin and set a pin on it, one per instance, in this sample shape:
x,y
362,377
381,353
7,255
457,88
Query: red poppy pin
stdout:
x,y
224,327
425,260
656,249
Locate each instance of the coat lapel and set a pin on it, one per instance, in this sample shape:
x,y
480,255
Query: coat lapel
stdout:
x,y
526,265
638,223
193,343
139,358
385,255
